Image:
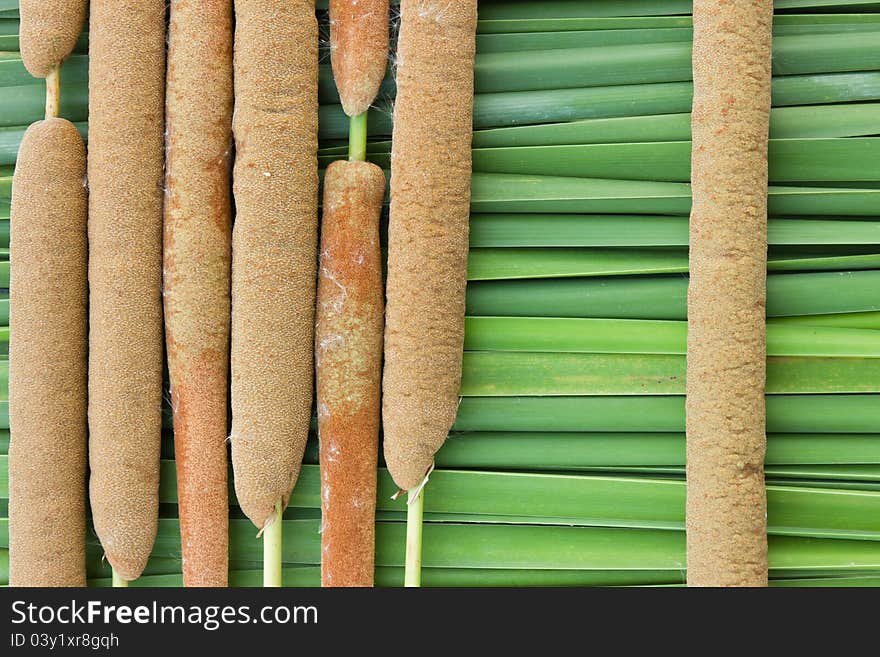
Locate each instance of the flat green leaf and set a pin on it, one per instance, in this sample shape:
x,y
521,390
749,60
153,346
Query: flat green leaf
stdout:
x,y
859,320
664,297
791,160
506,374
573,451
514,263
640,336
785,414
512,193
582,230
814,121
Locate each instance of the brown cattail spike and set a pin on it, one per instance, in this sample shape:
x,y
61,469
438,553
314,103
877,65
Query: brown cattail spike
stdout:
x,y
126,159
275,182
48,32
348,356
358,50
726,500
196,276
47,359
428,233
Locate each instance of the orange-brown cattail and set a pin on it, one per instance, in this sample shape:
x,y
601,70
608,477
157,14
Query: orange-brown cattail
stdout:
x,y
198,115
348,357
358,50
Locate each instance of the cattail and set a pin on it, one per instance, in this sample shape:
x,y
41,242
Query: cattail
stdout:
x,y
726,501
428,232
348,356
198,115
47,359
125,163
358,50
275,183
48,32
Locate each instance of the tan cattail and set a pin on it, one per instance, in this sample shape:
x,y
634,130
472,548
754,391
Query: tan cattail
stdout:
x,y
48,32
726,501
428,232
274,249
47,359
348,357
126,149
198,115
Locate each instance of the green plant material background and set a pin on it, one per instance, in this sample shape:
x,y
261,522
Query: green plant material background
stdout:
x,y
566,464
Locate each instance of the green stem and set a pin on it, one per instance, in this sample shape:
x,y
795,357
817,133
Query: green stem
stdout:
x,y
357,138
272,550
415,506
118,582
